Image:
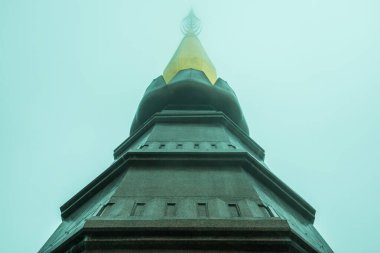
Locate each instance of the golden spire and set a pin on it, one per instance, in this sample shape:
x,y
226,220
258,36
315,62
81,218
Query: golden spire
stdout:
x,y
190,53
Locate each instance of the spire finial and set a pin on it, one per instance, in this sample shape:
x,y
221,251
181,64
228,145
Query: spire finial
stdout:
x,y
191,24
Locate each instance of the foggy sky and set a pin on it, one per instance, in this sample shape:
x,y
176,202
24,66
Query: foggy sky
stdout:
x,y
306,73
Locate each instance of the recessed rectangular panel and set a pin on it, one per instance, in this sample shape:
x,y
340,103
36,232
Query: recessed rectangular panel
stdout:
x,y
103,209
202,210
138,209
234,210
170,209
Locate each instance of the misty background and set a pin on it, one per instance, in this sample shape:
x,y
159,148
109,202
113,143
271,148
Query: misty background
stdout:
x,y
306,73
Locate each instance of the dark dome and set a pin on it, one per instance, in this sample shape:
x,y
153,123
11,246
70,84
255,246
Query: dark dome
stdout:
x,y
189,89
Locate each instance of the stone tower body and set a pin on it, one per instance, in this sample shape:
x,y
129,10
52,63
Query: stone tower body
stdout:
x,y
189,178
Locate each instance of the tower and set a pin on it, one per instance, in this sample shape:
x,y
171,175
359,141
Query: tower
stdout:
x,y
189,178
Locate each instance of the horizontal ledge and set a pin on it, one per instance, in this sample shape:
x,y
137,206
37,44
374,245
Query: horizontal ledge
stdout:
x,y
189,224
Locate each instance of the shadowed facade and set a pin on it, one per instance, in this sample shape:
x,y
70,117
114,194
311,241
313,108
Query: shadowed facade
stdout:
x,y
189,178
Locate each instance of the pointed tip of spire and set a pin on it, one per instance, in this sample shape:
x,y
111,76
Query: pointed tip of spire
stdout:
x,y
191,24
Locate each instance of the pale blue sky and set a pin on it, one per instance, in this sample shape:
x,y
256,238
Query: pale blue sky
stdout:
x,y
306,73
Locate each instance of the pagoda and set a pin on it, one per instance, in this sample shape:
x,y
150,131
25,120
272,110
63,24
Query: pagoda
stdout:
x,y
188,178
